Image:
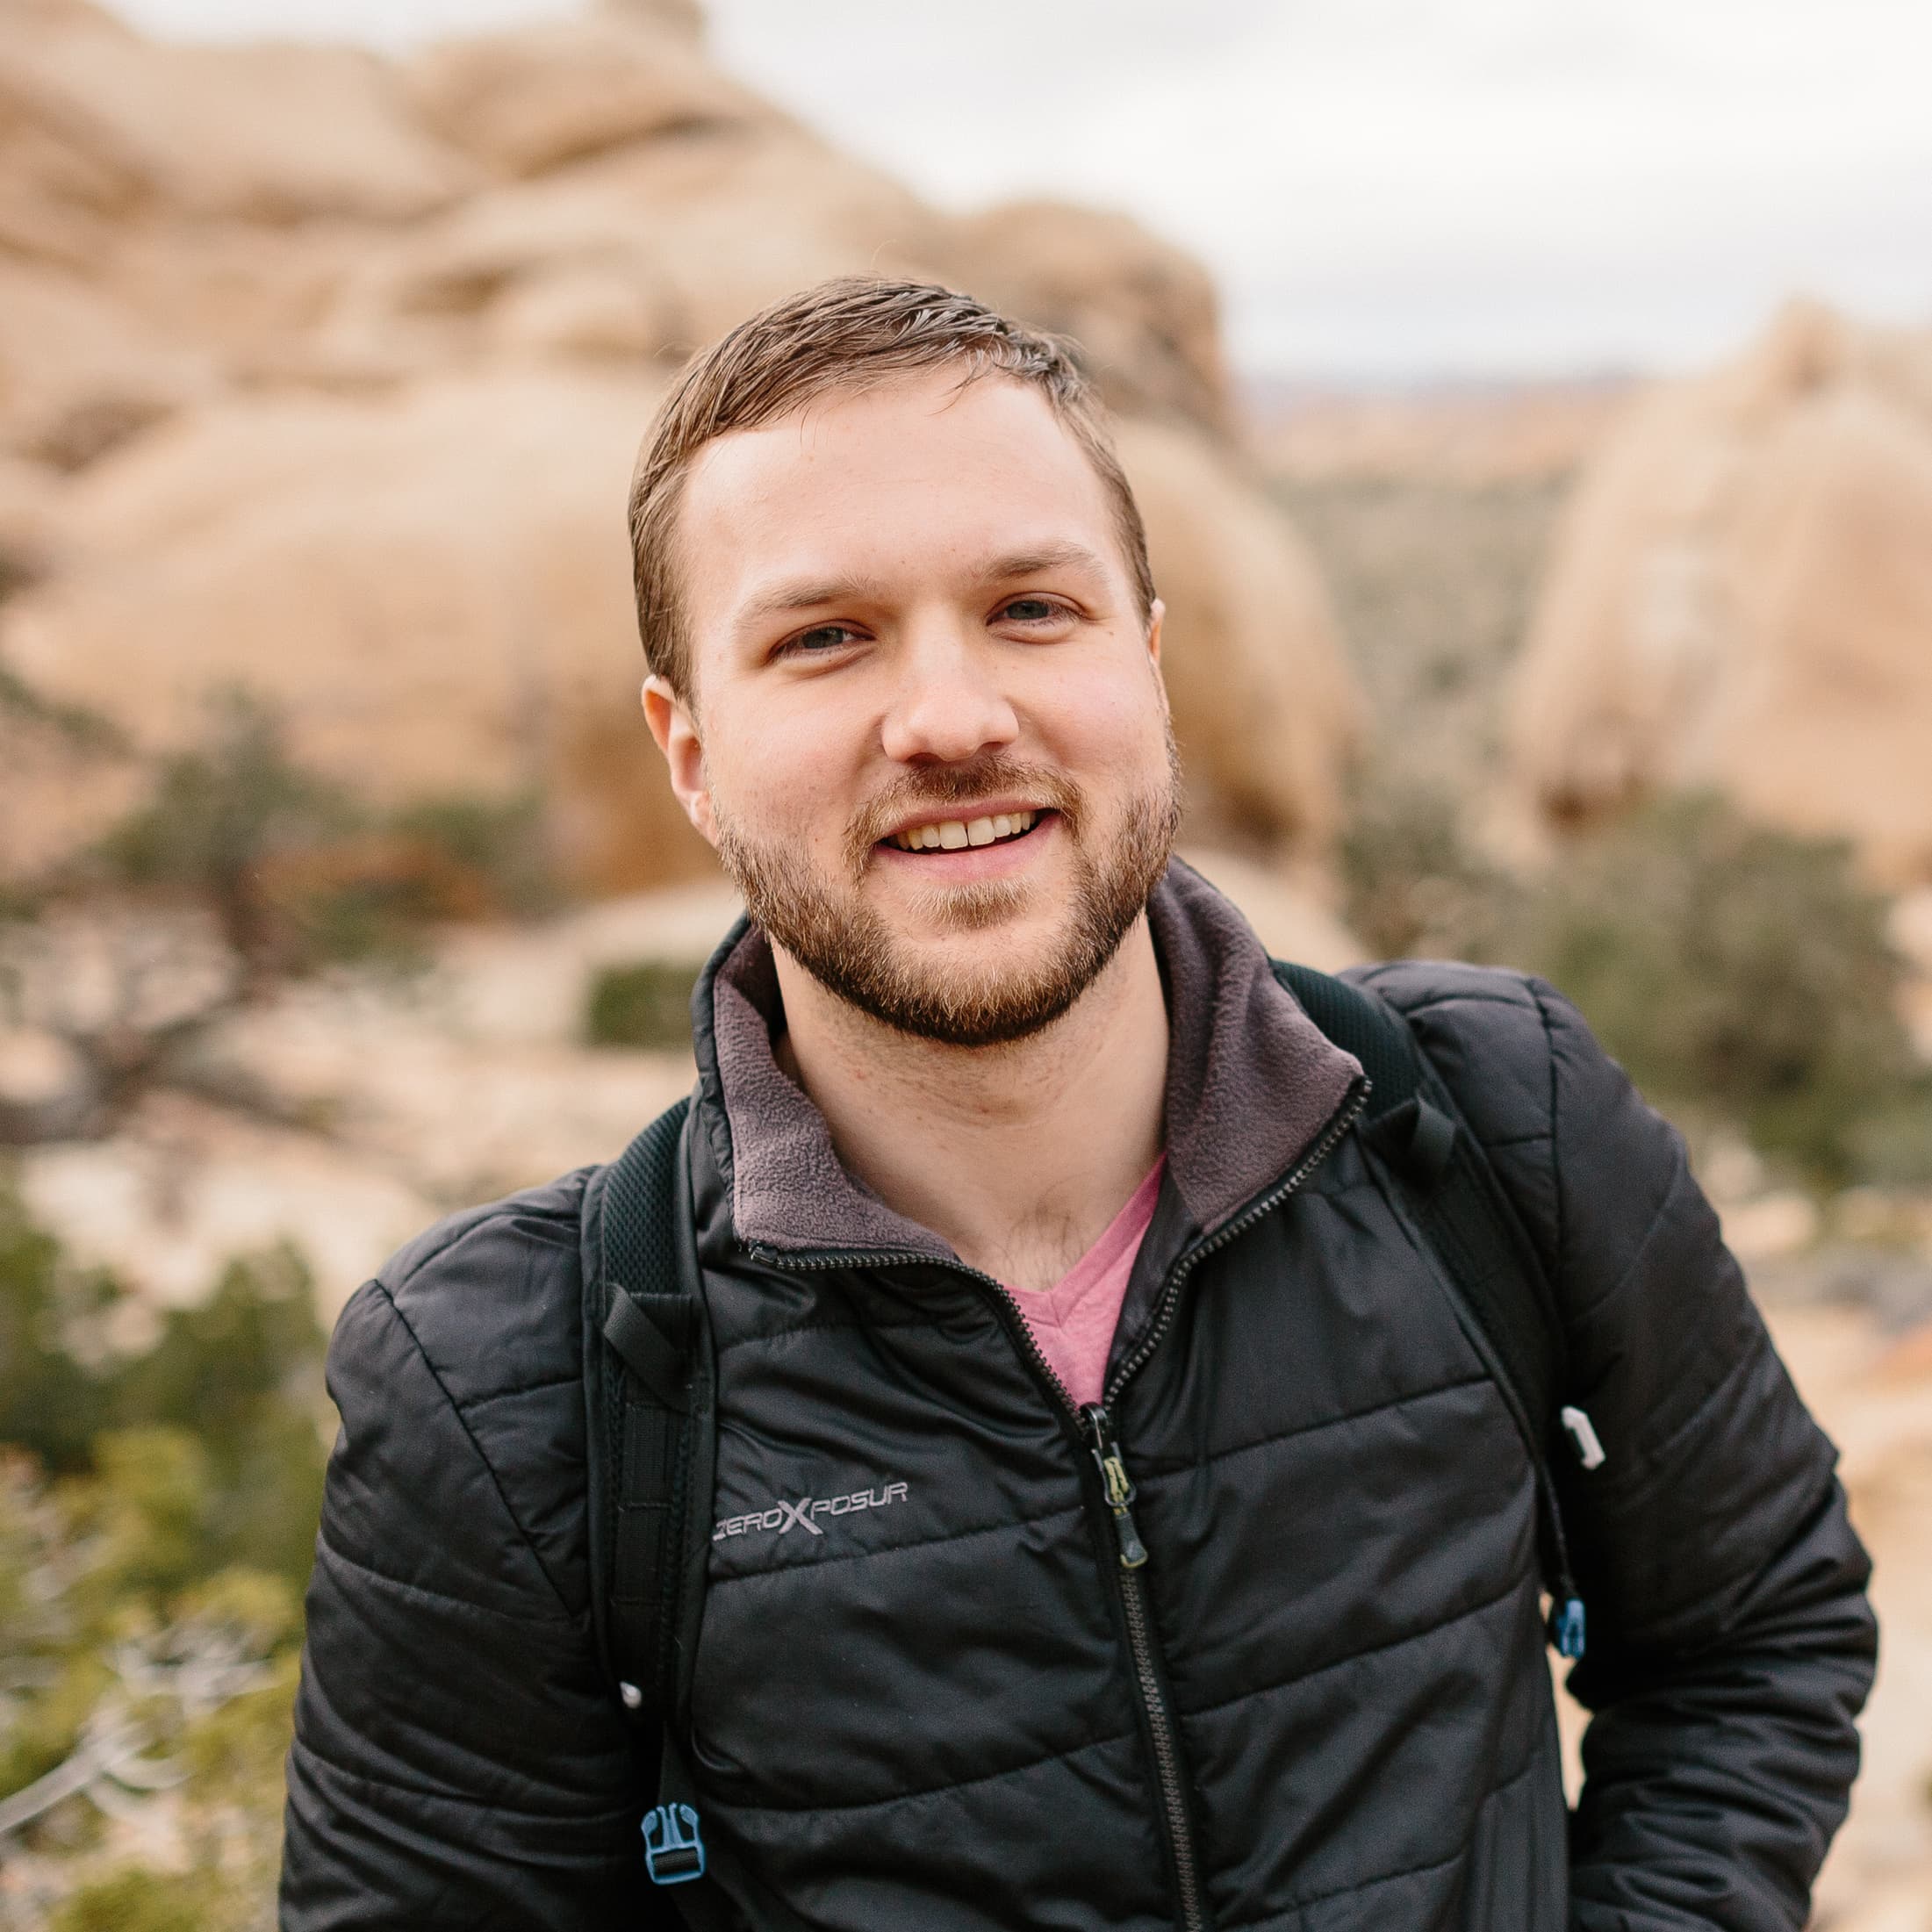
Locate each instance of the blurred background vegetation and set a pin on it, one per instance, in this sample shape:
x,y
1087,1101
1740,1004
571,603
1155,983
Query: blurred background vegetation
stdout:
x,y
157,1512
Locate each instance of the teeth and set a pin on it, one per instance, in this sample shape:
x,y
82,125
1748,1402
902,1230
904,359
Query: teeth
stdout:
x,y
953,834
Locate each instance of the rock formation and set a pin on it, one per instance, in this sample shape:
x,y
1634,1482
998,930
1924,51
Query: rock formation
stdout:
x,y
1741,599
320,375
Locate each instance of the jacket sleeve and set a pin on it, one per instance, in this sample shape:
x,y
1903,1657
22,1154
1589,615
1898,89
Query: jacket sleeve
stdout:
x,y
457,1761
1730,1642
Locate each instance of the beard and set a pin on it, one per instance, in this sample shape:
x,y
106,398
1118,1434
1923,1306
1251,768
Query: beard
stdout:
x,y
851,951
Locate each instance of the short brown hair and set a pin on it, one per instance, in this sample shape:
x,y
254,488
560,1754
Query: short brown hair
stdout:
x,y
854,333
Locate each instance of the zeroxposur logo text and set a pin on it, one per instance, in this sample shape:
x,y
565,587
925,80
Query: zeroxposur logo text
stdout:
x,y
785,1517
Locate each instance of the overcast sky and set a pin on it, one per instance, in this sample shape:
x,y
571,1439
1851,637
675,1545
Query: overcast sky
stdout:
x,y
1387,190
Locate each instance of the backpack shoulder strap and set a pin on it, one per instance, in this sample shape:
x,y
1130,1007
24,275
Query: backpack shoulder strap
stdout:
x,y
644,1386
1412,1121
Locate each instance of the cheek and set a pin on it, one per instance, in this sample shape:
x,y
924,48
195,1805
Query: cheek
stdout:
x,y
1112,730
785,769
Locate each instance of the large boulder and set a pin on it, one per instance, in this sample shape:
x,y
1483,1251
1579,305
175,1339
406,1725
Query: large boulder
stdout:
x,y
431,592
642,253
345,360
1741,599
1143,312
538,97
1265,709
80,371
167,212
271,132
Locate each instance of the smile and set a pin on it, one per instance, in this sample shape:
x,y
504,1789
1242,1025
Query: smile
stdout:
x,y
954,835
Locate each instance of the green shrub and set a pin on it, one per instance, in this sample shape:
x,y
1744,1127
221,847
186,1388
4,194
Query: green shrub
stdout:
x,y
501,844
1735,970
1414,884
298,872
221,823
647,1004
221,1367
50,1403
1740,969
201,1452
182,1528
137,1899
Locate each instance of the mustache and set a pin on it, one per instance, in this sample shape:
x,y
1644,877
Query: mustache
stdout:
x,y
947,785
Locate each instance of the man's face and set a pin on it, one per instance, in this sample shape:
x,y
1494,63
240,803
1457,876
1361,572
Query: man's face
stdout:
x,y
929,739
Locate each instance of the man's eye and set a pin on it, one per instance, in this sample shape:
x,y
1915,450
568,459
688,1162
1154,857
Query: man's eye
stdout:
x,y
1031,610
822,637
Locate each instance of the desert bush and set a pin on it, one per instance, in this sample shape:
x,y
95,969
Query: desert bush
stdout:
x,y
286,863
647,1004
208,1437
135,1898
501,844
1415,885
239,871
51,1403
167,1556
1744,969
1736,971
298,872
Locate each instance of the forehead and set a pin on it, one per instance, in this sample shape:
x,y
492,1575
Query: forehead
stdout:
x,y
893,484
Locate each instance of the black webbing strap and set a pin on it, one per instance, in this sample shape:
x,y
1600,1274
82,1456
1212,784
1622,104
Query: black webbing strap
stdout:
x,y
1412,1120
641,1327
650,1352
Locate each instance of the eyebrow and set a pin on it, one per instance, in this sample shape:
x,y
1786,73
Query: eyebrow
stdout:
x,y
1049,556
807,593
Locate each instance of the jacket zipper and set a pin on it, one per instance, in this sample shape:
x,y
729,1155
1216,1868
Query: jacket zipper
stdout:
x,y
1117,1487
1119,1491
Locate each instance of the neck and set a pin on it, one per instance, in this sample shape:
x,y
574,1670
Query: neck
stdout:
x,y
1017,1155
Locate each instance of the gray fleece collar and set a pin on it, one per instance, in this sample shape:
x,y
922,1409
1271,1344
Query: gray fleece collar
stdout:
x,y
1251,1083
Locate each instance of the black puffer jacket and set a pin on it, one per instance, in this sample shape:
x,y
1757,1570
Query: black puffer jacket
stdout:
x,y
1326,1704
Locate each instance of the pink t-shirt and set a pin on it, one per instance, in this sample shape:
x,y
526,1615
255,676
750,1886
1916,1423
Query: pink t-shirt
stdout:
x,y
1074,1321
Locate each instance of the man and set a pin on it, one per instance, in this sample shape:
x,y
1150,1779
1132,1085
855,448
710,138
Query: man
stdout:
x,y
1012,1163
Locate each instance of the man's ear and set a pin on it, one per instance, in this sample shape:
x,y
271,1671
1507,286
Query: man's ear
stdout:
x,y
676,731
1156,614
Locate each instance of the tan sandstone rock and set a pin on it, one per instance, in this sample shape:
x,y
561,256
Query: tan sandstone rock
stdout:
x,y
79,370
431,592
162,207
1143,312
345,360
1265,707
271,132
647,251
528,101
1741,597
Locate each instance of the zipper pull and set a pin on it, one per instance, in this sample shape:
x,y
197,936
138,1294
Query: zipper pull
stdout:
x,y
1117,1486
1583,1433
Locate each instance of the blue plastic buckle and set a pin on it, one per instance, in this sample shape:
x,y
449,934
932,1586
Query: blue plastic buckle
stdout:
x,y
674,1845
1566,1626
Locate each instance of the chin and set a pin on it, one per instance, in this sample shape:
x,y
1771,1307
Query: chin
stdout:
x,y
983,907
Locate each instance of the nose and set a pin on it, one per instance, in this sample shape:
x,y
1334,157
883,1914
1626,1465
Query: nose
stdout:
x,y
949,705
